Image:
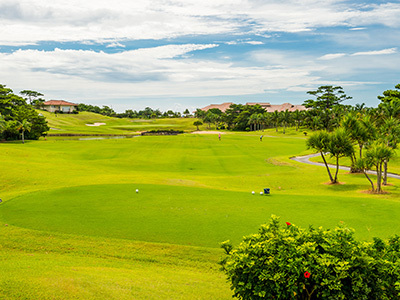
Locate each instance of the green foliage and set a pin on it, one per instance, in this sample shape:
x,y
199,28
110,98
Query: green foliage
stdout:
x,y
327,98
293,263
197,124
16,111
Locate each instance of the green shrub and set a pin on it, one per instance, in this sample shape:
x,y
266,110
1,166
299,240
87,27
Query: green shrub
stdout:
x,y
294,263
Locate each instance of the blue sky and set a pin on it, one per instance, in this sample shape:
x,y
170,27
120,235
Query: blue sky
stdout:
x,y
178,54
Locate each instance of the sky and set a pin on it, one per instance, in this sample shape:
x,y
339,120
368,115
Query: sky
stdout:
x,y
186,54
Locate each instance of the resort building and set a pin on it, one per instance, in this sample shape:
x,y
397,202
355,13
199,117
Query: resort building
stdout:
x,y
59,106
267,106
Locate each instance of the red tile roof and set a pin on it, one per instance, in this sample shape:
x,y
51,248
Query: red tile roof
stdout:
x,y
223,107
59,102
267,106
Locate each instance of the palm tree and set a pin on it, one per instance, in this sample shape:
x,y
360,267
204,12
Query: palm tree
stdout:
x,y
253,120
319,141
390,136
375,156
297,117
285,117
24,126
275,117
361,131
339,146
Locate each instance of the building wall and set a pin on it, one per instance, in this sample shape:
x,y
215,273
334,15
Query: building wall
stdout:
x,y
63,108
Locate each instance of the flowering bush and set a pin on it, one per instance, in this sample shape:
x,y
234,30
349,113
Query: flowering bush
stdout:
x,y
294,263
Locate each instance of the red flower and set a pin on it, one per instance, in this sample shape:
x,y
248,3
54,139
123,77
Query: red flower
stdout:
x,y
307,275
288,224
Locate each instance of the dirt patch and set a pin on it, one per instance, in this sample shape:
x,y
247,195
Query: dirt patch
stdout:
x,y
330,183
207,132
374,193
276,162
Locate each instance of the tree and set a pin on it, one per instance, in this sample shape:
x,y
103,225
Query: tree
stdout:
x,y
186,113
31,96
361,131
319,142
339,146
375,156
297,117
197,124
290,262
389,134
327,98
285,117
391,95
209,118
275,118
24,126
14,109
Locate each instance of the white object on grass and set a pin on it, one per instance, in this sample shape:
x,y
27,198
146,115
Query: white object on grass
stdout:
x,y
137,191
252,192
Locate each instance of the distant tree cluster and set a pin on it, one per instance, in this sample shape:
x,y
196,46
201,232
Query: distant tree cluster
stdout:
x,y
18,119
147,113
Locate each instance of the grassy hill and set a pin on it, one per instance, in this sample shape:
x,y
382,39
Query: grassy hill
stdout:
x,y
73,227
80,124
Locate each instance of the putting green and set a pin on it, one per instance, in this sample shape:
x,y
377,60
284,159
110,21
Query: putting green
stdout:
x,y
186,215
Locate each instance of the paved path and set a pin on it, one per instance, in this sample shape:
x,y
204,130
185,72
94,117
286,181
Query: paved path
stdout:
x,y
306,160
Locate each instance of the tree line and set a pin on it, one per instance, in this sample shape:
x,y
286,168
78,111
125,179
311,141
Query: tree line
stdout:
x,y
323,113
147,113
18,119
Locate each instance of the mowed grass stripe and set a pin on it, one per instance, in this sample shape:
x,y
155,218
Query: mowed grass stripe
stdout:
x,y
186,215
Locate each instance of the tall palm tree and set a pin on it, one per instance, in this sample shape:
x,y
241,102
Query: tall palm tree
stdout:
x,y
376,155
24,126
275,118
390,136
319,141
297,117
339,146
253,120
285,117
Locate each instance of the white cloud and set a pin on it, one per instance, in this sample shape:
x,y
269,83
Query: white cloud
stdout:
x,y
378,52
332,56
115,45
158,71
28,21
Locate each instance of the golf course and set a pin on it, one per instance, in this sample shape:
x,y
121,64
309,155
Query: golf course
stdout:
x,y
142,217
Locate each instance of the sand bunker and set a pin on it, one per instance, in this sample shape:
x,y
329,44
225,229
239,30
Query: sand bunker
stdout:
x,y
96,124
207,132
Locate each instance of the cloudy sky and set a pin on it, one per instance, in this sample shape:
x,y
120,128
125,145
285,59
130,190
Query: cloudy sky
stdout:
x,y
178,54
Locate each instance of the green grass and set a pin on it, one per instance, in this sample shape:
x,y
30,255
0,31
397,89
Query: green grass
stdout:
x,y
76,124
76,224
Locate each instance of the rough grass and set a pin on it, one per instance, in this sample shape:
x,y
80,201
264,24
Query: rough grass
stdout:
x,y
66,202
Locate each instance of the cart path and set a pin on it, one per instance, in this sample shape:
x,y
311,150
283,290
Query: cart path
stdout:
x,y
306,160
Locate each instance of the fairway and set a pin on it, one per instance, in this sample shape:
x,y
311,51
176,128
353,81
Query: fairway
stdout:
x,y
71,212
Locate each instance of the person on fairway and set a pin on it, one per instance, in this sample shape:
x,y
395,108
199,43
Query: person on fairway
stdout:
x,y
261,137
219,136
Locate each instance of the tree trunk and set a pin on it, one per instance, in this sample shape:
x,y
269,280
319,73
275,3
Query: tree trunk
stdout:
x,y
369,179
378,178
385,168
337,168
23,139
327,168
